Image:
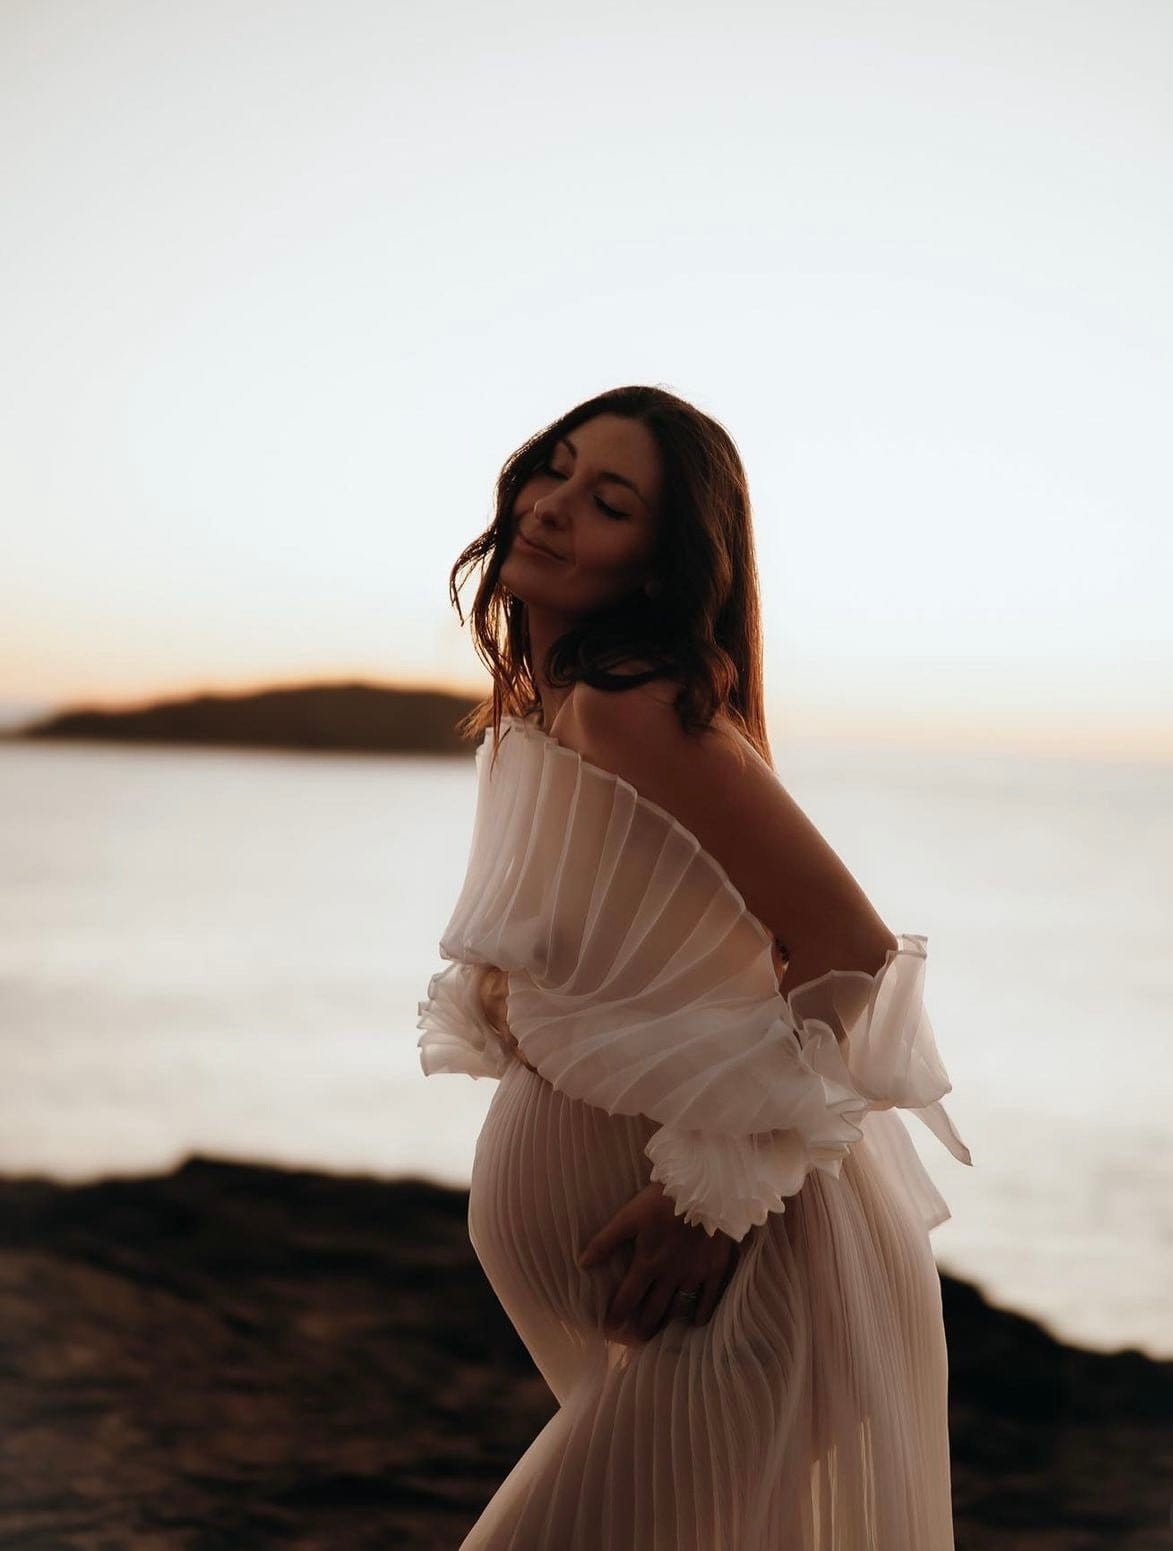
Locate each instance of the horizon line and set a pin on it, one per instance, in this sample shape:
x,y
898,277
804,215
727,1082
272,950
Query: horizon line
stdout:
x,y
1138,740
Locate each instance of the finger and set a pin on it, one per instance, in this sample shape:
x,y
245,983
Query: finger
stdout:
x,y
656,1309
606,1241
627,1299
713,1291
709,1298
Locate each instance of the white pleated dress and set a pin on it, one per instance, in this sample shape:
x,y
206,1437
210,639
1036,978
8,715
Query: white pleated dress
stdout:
x,y
645,1037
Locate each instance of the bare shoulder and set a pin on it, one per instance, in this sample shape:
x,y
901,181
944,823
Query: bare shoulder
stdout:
x,y
715,784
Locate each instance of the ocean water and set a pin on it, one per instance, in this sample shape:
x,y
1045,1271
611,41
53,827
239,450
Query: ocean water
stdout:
x,y
222,951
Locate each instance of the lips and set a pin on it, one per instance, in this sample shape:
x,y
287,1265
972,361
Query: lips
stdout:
x,y
534,544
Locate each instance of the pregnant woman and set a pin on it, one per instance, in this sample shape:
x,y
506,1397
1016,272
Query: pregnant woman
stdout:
x,y
693,1192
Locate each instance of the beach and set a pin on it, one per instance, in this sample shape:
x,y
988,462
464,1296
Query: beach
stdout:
x,y
235,1356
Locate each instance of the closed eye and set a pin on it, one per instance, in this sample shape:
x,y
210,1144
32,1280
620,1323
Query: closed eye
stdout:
x,y
612,511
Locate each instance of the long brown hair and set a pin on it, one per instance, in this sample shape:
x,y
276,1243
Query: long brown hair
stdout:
x,y
703,628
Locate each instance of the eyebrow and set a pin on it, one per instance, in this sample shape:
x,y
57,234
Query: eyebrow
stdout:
x,y
620,479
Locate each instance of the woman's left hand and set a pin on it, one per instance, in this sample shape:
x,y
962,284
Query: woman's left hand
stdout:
x,y
670,1256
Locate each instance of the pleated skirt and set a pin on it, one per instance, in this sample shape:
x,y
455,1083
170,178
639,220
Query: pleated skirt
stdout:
x,y
808,1414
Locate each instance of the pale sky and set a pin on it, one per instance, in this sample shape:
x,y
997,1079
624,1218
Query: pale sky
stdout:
x,y
284,283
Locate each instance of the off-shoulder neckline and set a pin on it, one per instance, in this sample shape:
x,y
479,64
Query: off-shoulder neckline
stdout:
x,y
767,937
710,860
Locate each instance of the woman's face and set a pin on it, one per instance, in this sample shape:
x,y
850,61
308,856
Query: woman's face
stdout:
x,y
596,506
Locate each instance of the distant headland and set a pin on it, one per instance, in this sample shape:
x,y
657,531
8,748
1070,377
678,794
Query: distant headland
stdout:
x,y
349,717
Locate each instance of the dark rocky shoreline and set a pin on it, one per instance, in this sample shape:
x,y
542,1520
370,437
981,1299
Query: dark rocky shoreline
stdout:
x,y
233,1356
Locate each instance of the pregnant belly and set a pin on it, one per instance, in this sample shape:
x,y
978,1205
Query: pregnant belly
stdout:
x,y
548,1172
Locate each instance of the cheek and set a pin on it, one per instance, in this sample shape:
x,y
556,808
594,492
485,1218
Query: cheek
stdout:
x,y
523,501
598,583
613,555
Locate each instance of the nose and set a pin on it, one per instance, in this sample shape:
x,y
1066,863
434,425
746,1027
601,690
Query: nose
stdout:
x,y
547,513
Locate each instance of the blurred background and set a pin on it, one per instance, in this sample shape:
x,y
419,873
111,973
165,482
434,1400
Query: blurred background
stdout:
x,y
284,284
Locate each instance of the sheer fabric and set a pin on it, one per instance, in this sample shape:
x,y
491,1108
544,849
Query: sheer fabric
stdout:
x,y
607,972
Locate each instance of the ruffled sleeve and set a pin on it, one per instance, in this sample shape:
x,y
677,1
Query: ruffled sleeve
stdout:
x,y
868,1035
883,1027
458,1036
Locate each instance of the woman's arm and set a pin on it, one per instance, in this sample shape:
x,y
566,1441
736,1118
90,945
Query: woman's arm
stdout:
x,y
787,873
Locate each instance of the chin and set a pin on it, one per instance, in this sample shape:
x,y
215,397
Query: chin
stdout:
x,y
526,590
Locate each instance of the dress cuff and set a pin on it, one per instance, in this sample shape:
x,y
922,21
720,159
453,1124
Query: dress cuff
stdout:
x,y
457,1036
870,1040
733,1183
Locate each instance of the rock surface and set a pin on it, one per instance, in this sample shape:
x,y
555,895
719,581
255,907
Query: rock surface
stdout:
x,y
247,1357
